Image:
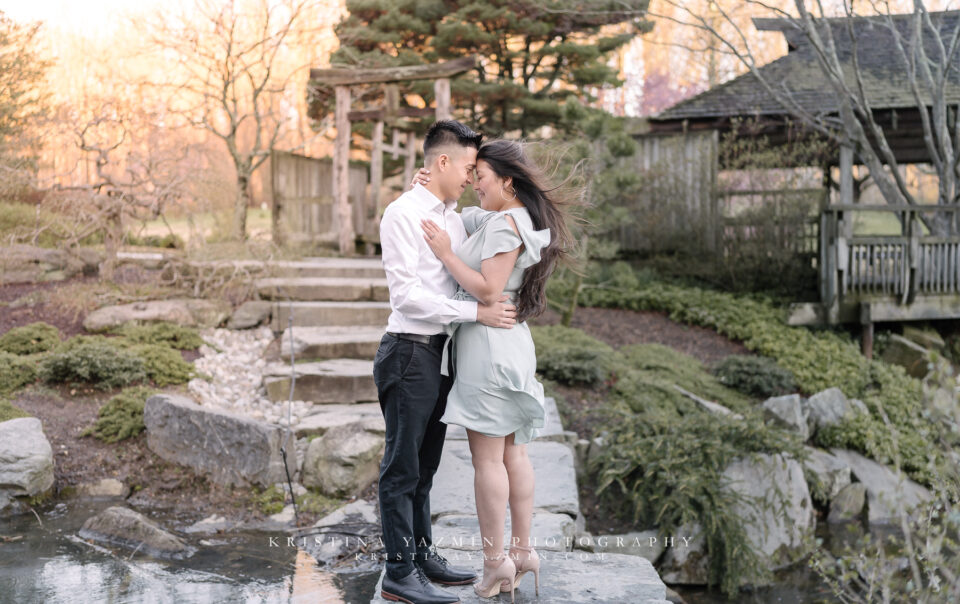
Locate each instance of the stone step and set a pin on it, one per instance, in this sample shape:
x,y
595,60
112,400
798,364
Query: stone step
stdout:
x,y
344,342
366,268
336,415
567,577
329,314
332,381
334,289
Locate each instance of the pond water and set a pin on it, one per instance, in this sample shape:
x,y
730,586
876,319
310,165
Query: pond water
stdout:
x,y
50,565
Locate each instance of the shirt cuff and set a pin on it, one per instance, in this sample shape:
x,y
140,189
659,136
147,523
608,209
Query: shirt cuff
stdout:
x,y
468,312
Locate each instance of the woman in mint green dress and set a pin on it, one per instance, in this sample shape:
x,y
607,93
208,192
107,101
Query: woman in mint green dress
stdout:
x,y
516,237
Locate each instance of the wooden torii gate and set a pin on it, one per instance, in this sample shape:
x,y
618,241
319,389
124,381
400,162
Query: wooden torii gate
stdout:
x,y
390,114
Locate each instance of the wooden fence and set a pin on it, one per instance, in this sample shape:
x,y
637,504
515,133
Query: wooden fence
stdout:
x,y
303,209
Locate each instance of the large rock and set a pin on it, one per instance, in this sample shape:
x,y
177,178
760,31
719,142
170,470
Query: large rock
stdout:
x,y
26,458
126,528
347,534
190,312
29,264
829,407
231,449
344,461
599,578
848,504
787,412
909,355
685,561
885,492
826,474
555,491
250,314
784,516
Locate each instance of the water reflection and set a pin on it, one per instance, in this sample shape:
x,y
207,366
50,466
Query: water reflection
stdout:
x,y
50,565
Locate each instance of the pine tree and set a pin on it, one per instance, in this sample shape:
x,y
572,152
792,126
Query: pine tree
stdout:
x,y
534,54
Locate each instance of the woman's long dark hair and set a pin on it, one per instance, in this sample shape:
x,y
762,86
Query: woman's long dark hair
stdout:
x,y
547,208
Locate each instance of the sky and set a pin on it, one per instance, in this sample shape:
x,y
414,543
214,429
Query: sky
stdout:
x,y
89,16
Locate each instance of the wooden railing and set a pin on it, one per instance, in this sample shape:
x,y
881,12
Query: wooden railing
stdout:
x,y
903,265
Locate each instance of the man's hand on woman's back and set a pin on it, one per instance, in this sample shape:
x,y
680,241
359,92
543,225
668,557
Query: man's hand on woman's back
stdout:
x,y
499,314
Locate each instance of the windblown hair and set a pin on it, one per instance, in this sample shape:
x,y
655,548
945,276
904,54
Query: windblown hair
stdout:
x,y
449,132
548,208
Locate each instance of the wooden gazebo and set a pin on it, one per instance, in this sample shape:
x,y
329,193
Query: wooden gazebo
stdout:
x,y
865,279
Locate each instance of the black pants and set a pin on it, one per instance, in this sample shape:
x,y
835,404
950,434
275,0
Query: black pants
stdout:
x,y
413,396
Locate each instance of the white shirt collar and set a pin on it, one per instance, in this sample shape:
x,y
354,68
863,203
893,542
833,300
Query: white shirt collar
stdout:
x,y
424,195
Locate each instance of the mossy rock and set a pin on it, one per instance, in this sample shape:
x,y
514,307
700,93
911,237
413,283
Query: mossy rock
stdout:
x,y
122,416
30,339
16,371
103,364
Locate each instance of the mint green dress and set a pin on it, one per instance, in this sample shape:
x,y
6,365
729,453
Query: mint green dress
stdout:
x,y
495,391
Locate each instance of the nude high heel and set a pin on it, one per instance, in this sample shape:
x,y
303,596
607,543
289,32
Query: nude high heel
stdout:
x,y
500,579
531,564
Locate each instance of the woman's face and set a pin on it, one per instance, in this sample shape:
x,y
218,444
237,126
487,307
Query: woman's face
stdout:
x,y
488,185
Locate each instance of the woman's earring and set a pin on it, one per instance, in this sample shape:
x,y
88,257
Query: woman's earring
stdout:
x,y
504,198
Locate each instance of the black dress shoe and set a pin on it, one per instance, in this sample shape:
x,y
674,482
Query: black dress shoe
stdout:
x,y
438,569
415,588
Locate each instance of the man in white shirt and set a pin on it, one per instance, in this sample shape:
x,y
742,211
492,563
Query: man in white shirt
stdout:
x,y
412,391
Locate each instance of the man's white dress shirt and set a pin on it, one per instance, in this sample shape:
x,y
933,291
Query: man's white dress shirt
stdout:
x,y
421,288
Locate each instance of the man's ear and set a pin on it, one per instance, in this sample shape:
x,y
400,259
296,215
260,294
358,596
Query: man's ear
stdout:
x,y
443,161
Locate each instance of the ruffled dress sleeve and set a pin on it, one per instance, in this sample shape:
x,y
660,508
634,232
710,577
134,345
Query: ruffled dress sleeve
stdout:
x,y
533,241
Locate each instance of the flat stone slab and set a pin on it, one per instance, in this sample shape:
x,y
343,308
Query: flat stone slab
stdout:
x,y
332,381
329,314
346,342
549,532
338,415
576,576
189,312
555,489
311,267
323,288
552,429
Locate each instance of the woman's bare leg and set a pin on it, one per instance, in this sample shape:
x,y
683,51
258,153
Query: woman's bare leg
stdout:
x,y
491,489
520,475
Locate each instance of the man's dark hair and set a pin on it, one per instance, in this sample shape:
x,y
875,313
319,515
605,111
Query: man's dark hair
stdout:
x,y
449,132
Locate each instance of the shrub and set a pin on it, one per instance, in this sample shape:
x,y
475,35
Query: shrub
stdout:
x,y
163,365
30,339
169,241
270,500
166,334
28,223
9,411
15,372
122,416
570,356
754,376
104,364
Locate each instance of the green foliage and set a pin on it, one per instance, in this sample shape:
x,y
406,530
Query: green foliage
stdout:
x,y
164,366
755,376
534,58
166,334
270,500
104,364
122,416
818,359
570,356
315,502
9,411
16,372
30,339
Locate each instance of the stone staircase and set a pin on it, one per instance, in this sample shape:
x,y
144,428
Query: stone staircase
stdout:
x,y
340,311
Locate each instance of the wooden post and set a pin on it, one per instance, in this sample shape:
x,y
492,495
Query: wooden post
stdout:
x,y
866,330
376,181
441,89
410,165
846,186
341,164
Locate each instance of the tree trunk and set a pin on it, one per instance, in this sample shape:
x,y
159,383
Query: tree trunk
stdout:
x,y
242,202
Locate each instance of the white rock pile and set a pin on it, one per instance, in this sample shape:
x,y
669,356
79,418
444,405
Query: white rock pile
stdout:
x,y
235,361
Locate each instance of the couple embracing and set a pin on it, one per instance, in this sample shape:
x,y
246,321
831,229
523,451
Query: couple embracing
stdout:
x,y
458,351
